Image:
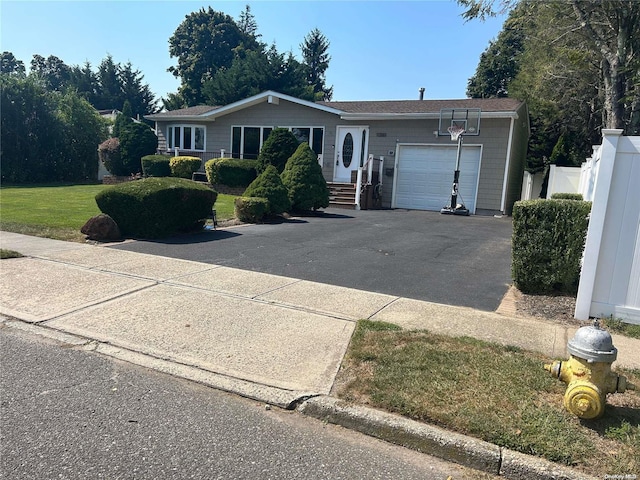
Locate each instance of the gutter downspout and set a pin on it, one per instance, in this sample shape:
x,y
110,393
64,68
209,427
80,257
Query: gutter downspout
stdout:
x,y
503,202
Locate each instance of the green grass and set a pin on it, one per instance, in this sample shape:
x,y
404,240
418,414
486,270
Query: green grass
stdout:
x,y
59,211
615,325
4,253
496,393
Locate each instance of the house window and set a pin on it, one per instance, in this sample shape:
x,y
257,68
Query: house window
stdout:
x,y
246,142
186,137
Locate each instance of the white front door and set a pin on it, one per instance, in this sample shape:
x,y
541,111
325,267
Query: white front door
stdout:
x,y
352,149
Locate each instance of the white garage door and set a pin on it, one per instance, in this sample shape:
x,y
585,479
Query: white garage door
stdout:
x,y
425,175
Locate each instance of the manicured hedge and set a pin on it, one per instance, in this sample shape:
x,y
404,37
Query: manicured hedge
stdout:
x,y
547,244
232,172
566,196
156,166
251,209
157,207
184,166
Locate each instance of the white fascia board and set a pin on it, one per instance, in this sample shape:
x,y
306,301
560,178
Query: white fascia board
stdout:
x,y
268,96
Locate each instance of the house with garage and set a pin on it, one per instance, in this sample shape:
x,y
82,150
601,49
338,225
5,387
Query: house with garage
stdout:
x,y
400,141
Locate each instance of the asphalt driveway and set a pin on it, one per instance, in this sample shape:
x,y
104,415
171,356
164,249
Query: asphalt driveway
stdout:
x,y
462,261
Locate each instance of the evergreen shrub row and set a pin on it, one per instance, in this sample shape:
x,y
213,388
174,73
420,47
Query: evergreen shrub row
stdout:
x,y
547,244
184,166
156,166
157,207
232,172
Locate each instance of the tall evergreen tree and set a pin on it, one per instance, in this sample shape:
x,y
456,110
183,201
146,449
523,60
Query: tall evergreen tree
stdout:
x,y
110,93
316,60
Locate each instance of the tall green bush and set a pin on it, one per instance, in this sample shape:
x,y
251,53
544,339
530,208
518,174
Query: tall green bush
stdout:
x,y
547,244
277,149
269,185
157,207
136,141
211,169
303,178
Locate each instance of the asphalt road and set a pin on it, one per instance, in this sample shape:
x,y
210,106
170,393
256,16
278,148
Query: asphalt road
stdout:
x,y
73,414
445,259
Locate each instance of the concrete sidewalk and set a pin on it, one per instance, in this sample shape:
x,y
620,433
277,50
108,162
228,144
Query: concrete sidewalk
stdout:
x,y
275,339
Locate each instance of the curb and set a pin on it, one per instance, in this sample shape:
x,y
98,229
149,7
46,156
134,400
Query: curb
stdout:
x,y
450,446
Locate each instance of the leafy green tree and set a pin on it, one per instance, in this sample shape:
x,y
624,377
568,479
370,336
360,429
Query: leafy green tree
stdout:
x,y
30,130
607,31
277,149
55,74
203,44
269,185
500,62
174,101
46,136
83,130
316,62
136,141
10,65
305,183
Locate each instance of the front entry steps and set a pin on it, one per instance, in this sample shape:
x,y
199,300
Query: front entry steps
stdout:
x,y
342,195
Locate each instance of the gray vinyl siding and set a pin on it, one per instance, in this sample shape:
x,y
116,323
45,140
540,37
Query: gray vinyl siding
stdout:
x,y
384,135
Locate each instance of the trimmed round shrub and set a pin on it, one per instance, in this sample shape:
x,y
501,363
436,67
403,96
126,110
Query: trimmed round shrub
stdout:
x,y
136,141
109,154
156,166
157,207
184,166
269,185
277,149
303,178
250,209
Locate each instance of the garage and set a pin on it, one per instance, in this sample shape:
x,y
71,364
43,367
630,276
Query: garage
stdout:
x,y
424,175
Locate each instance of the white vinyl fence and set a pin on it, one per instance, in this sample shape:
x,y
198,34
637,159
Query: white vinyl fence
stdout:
x,y
610,277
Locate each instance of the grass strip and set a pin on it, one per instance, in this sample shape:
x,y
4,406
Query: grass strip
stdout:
x,y
496,393
4,253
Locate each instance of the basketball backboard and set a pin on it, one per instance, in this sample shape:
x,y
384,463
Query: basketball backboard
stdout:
x,y
466,118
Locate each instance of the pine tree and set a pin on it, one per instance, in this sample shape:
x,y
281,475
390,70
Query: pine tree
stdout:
x,y
316,60
303,178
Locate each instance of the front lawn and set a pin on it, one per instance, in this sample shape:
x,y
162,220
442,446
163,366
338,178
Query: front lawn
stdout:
x,y
59,211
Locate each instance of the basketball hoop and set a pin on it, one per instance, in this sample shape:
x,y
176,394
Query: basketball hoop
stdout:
x,y
455,131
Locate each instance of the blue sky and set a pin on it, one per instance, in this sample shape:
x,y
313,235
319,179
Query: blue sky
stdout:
x,y
380,50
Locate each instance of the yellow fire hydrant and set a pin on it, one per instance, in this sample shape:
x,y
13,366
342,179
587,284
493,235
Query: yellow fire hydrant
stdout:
x,y
587,372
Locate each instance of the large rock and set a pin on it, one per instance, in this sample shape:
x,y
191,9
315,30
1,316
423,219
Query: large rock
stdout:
x,y
101,228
